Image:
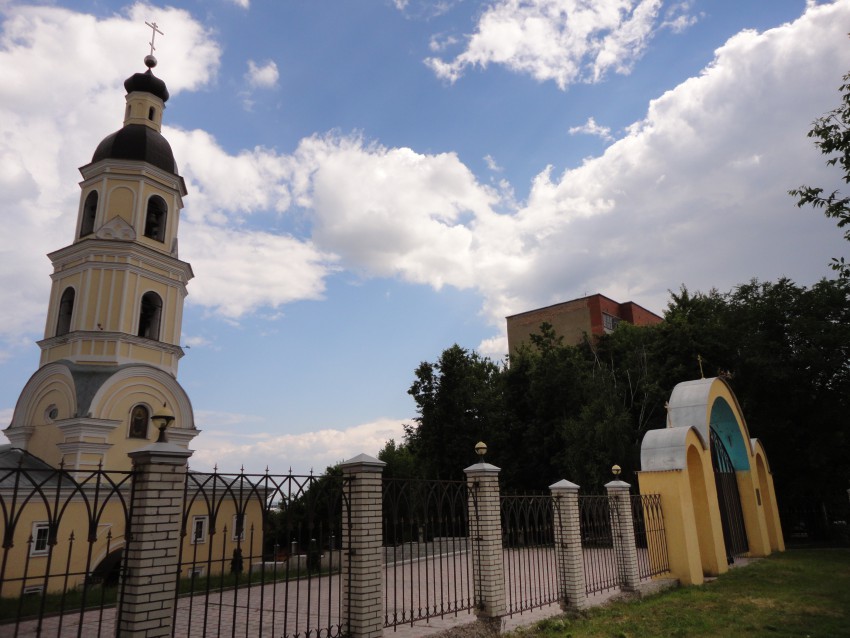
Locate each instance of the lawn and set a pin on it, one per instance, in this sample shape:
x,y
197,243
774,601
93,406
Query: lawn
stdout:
x,y
804,592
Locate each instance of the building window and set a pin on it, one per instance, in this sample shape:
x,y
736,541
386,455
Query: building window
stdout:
x,y
238,529
609,322
199,529
66,310
156,217
151,113
139,420
89,214
40,539
150,315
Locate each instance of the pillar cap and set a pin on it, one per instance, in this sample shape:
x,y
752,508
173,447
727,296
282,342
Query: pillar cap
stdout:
x,y
162,450
482,468
362,460
564,484
617,485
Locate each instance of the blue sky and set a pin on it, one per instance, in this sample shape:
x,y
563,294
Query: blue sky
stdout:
x,y
372,181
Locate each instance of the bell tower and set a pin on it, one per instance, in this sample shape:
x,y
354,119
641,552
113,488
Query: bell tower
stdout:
x,y
112,336
118,288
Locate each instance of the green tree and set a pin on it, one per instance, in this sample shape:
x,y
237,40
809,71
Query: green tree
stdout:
x,y
831,133
458,400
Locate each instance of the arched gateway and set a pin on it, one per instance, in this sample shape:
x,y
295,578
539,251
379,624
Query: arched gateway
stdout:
x,y
716,488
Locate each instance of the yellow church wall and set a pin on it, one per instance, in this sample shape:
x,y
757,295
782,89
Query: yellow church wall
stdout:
x,y
120,201
74,520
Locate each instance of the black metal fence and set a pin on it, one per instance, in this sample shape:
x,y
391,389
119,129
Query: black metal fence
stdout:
x,y
63,537
531,574
816,521
601,572
261,556
650,538
427,561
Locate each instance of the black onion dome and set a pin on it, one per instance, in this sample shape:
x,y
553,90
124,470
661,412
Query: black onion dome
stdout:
x,y
137,142
148,83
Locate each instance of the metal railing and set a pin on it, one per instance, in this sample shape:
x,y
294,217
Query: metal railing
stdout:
x,y
650,537
427,561
531,572
261,556
63,536
601,572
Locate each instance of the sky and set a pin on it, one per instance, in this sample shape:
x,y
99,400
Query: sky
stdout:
x,y
372,181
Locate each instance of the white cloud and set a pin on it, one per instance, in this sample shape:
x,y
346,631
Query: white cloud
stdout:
x,y
565,41
262,76
52,105
492,165
245,4
230,451
694,192
592,128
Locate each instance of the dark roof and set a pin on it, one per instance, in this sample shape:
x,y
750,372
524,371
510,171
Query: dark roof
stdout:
x,y
37,470
137,142
148,83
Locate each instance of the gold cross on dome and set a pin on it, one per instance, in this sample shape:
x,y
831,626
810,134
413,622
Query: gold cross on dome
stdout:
x,y
155,27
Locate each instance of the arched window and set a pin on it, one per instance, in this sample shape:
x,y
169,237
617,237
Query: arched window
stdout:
x,y
89,213
66,310
151,113
149,316
156,218
139,419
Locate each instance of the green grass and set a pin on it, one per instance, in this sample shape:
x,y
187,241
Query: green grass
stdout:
x,y
803,593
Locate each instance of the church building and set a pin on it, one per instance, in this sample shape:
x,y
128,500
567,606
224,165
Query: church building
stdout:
x,y
111,342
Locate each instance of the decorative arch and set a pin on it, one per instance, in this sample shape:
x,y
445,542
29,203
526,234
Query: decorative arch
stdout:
x,y
157,384
709,408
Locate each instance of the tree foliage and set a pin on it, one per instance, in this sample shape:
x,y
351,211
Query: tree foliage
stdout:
x,y
563,411
831,134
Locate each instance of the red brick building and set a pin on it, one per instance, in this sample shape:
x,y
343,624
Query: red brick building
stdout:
x,y
594,315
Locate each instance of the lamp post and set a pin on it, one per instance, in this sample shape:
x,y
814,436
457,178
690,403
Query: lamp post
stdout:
x,y
615,470
162,419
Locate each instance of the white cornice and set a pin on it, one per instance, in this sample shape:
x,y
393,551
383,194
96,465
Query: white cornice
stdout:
x,y
118,248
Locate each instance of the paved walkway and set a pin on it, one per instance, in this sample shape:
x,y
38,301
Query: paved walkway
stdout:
x,y
439,586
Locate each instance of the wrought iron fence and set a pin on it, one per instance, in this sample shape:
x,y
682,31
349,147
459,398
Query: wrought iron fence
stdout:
x,y
601,572
650,538
427,561
531,574
63,536
815,521
261,555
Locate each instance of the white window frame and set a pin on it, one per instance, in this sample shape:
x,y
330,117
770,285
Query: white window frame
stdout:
x,y
40,539
233,536
205,523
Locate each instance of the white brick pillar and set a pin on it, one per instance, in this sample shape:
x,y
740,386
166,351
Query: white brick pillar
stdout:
x,y
362,559
623,531
568,554
152,553
485,529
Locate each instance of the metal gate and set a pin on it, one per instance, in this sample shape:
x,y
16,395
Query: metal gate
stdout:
x,y
731,514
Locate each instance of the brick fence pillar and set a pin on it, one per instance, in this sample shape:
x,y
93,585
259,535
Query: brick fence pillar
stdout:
x,y
623,531
362,562
568,554
152,553
485,528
